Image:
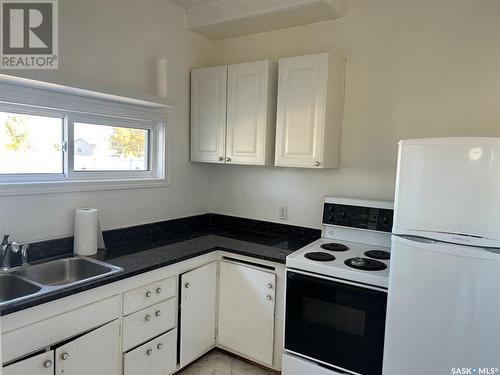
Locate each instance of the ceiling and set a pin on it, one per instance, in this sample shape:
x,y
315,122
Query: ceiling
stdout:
x,y
193,3
222,19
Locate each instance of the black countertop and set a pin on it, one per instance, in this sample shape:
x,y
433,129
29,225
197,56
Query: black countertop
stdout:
x,y
152,252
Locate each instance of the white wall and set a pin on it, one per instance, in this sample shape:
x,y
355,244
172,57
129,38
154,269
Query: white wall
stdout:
x,y
114,44
416,68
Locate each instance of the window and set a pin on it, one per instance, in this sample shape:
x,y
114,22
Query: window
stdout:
x,y
30,144
110,148
49,145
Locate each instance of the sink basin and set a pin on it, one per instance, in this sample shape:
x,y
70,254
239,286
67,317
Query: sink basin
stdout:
x,y
13,287
67,271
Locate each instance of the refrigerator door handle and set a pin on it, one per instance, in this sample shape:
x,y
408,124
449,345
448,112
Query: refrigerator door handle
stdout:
x,y
493,250
448,248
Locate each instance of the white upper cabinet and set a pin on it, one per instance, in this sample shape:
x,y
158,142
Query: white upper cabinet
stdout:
x,y
247,136
208,114
250,114
310,111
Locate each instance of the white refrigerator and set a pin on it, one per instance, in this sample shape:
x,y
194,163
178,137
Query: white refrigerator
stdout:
x,y
443,311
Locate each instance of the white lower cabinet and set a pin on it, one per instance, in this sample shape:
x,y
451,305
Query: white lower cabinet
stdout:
x,y
246,310
198,306
156,357
42,364
142,333
96,353
148,323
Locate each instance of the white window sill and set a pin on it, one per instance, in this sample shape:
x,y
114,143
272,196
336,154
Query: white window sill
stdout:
x,y
29,188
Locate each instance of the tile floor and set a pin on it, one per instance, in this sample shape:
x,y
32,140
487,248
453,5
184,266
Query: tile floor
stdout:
x,y
219,363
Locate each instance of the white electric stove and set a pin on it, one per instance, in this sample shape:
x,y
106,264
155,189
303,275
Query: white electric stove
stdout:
x,y
367,251
336,294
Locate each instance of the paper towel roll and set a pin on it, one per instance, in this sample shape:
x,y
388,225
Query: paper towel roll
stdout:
x,y
86,228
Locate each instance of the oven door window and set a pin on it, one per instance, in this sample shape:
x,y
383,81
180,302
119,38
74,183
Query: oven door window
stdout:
x,y
336,323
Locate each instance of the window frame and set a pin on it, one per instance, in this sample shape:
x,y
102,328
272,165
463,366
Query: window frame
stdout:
x,y
92,109
152,157
34,177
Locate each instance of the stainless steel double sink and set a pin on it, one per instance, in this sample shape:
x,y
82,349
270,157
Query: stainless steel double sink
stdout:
x,y
32,280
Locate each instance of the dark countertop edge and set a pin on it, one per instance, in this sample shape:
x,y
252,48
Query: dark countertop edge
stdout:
x,y
71,290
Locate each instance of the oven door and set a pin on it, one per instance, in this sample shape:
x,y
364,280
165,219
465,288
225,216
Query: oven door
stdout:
x,y
335,322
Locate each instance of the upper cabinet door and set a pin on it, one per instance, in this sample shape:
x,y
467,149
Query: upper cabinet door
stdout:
x,y
208,114
309,111
250,122
198,306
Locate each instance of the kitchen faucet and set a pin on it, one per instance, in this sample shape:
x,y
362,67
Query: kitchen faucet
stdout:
x,y
8,247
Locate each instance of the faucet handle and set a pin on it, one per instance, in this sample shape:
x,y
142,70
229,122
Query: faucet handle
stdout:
x,y
14,246
24,254
5,240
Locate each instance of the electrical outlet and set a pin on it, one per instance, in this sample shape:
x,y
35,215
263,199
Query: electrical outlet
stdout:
x,y
283,214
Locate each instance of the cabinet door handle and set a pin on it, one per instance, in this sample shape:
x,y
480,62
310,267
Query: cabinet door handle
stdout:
x,y
47,363
228,159
220,158
148,294
270,286
147,318
187,285
64,356
317,163
159,346
149,352
269,297
158,313
158,290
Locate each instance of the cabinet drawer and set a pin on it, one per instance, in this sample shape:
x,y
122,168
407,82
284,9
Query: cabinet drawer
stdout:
x,y
148,295
156,357
150,322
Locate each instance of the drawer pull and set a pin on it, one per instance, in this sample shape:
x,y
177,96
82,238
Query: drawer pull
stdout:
x,y
158,313
47,363
269,297
158,290
64,356
148,294
159,346
187,285
149,352
270,286
147,318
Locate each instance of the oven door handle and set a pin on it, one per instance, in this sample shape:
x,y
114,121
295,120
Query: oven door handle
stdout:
x,y
342,281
